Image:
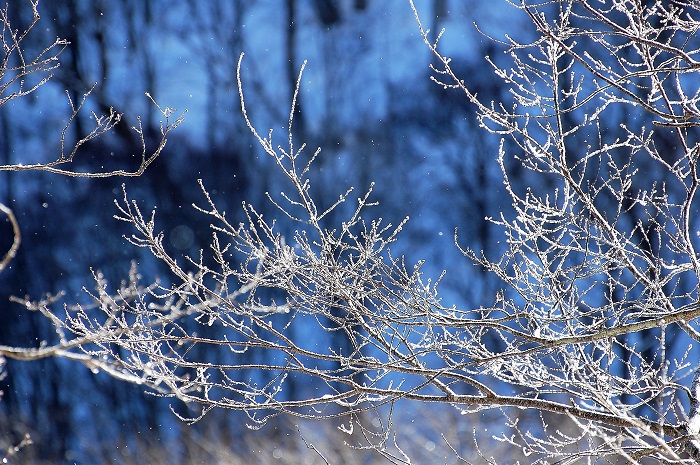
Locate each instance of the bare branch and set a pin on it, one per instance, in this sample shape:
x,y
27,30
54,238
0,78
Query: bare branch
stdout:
x,y
16,70
17,237
599,271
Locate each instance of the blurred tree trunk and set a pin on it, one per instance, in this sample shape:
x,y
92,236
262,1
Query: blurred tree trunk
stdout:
x,y
328,12
439,15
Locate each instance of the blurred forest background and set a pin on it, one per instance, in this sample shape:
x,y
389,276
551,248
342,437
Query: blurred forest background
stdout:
x,y
366,100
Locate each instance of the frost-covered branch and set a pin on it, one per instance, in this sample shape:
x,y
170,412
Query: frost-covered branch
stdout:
x,y
594,330
22,74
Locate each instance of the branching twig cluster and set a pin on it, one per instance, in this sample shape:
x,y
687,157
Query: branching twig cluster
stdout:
x,y
600,272
21,75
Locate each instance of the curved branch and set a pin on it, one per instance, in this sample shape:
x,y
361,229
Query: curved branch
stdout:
x,y
17,237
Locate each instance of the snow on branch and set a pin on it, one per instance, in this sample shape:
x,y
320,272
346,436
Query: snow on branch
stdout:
x,y
594,330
